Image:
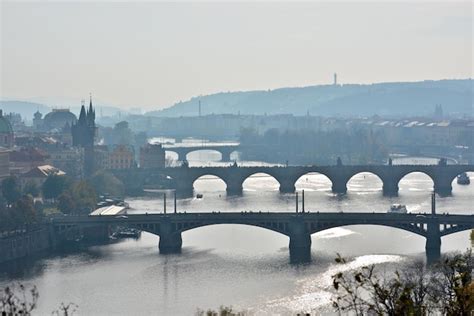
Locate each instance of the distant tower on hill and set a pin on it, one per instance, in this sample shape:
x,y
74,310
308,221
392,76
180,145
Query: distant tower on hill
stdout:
x,y
335,79
438,113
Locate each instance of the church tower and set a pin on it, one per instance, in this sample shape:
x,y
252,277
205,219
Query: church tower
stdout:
x,y
83,135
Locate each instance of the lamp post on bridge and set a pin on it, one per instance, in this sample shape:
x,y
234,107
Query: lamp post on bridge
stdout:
x,y
302,201
433,203
296,201
175,209
164,202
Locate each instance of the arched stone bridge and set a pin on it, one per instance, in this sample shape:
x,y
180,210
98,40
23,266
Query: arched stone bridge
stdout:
x,y
234,176
297,226
225,150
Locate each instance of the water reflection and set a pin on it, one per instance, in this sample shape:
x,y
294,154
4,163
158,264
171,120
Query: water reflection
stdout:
x,y
243,266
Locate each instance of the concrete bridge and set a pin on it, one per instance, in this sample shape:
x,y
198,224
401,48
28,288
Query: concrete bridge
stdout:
x,y
182,150
339,175
297,226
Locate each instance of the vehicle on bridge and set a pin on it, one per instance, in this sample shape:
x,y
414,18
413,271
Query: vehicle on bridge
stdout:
x,y
398,209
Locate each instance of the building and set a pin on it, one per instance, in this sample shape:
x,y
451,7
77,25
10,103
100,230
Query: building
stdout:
x,y
57,120
4,163
83,135
122,157
39,174
25,159
16,122
117,157
6,132
152,156
42,142
38,121
69,159
101,157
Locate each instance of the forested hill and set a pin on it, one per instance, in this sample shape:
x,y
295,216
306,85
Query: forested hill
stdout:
x,y
25,109
388,99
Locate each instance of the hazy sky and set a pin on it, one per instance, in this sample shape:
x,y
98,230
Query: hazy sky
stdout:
x,y
153,54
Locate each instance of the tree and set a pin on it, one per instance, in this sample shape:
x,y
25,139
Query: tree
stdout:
x,y
84,197
18,304
6,220
445,289
55,185
24,209
453,285
17,300
31,188
11,189
105,183
79,199
222,311
66,203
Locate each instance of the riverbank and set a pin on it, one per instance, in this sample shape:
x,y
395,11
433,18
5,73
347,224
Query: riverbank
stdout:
x,y
25,243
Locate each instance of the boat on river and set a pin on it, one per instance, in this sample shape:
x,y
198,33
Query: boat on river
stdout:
x,y
127,233
463,179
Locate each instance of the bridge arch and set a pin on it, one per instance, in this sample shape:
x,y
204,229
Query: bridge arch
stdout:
x,y
280,227
419,230
403,179
271,182
213,152
366,176
171,154
313,180
456,228
217,179
274,226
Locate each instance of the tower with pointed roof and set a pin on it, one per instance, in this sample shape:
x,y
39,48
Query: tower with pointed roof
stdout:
x,y
83,135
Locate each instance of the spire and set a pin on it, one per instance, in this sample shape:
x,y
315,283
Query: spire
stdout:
x,y
90,103
91,112
82,116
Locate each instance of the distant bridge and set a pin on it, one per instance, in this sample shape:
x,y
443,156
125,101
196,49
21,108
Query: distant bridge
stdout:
x,y
183,150
339,175
297,226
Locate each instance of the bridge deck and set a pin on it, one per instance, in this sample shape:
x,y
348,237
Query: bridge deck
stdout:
x,y
310,216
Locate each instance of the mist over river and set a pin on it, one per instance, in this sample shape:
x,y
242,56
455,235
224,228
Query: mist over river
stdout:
x,y
246,267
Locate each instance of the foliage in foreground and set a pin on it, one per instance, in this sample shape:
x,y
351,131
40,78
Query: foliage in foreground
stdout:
x,y
222,311
17,300
446,288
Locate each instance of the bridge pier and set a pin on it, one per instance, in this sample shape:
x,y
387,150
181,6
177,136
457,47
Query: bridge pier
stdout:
x,y
390,188
184,187
443,188
170,240
433,242
225,156
181,155
287,186
339,186
300,242
170,243
234,187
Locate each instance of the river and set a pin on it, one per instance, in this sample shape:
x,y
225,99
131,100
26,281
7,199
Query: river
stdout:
x,y
246,267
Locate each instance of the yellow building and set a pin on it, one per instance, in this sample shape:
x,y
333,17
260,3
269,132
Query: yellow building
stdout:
x,y
121,157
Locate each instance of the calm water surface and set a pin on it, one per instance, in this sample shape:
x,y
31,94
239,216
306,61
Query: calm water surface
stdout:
x,y
246,267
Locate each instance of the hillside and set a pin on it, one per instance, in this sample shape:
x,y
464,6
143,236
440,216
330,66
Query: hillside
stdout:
x,y
393,99
25,109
